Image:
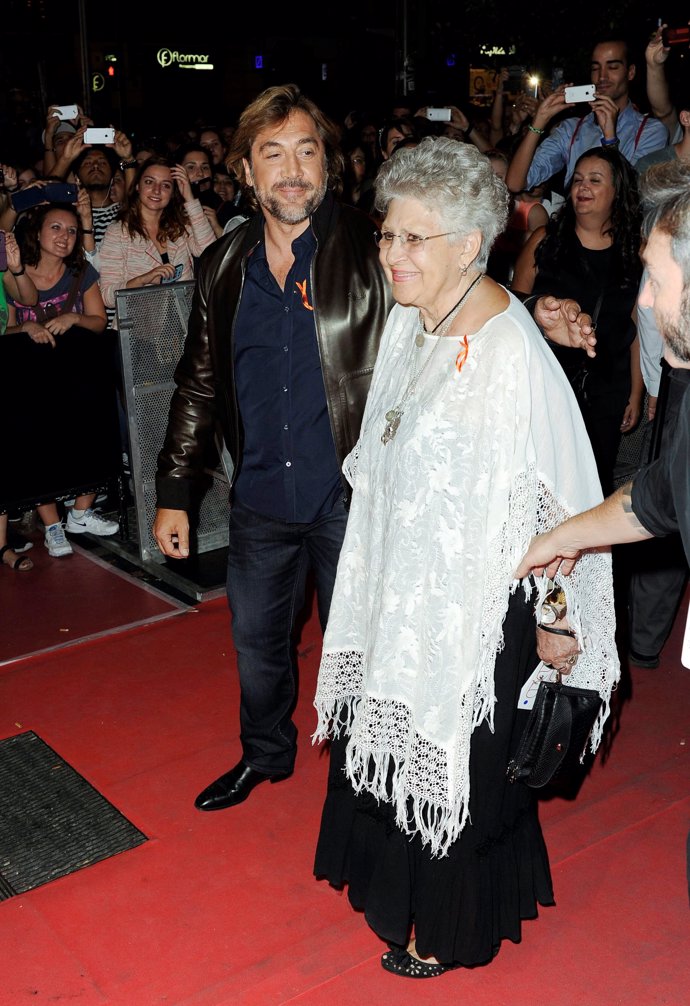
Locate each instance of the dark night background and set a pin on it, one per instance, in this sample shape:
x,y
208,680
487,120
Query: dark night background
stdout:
x,y
361,48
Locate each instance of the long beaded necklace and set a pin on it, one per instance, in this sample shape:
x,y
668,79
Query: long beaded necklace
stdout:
x,y
394,415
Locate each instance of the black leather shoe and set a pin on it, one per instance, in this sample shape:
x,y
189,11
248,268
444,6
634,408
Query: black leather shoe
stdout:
x,y
232,788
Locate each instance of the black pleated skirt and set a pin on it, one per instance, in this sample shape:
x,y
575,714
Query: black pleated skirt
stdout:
x,y
462,905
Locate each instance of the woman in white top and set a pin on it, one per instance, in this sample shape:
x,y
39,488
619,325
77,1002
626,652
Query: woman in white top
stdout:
x,y
159,232
470,440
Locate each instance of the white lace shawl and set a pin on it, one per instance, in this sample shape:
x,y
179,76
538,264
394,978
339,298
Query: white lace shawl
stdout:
x,y
483,459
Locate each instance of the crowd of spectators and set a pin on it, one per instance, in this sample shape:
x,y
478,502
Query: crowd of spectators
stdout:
x,y
140,214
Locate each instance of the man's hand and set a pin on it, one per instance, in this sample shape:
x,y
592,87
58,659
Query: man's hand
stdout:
x,y
74,146
651,407
122,145
563,322
546,554
171,531
655,54
52,122
606,113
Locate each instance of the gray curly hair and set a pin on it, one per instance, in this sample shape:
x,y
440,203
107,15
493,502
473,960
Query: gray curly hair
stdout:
x,y
452,179
665,191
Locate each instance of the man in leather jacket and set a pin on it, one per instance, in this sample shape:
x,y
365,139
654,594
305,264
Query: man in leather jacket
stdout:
x,y
282,339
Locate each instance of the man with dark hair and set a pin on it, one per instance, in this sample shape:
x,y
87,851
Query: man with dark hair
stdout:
x,y
282,339
613,122
94,168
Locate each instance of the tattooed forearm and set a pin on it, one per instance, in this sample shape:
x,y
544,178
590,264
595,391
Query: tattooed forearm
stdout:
x,y
625,493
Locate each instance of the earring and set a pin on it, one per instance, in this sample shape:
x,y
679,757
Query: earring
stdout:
x,y
463,271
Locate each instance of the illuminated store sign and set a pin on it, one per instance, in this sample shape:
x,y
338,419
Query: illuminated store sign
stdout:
x,y
184,60
496,50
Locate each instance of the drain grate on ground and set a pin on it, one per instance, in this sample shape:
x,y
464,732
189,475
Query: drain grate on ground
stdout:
x,y
52,821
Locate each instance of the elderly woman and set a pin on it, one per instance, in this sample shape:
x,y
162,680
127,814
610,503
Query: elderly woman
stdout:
x,y
470,440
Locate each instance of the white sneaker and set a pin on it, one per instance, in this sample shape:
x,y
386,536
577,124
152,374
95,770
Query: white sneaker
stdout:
x,y
55,541
92,523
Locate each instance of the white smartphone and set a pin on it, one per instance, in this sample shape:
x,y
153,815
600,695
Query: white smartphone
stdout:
x,y
95,134
65,112
583,92
438,114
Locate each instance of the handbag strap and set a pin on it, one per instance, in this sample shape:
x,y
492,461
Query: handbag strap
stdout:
x,y
73,291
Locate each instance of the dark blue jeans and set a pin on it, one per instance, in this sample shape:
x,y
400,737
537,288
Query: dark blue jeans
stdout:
x,y
268,562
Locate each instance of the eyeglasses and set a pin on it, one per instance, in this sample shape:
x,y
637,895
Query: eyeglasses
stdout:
x,y
411,242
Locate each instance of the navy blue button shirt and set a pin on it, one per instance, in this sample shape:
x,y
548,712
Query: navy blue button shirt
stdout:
x,y
289,468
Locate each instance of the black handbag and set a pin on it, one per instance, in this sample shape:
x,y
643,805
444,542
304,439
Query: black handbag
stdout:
x,y
556,734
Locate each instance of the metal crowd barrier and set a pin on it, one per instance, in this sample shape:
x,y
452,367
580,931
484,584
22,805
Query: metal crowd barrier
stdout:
x,y
153,324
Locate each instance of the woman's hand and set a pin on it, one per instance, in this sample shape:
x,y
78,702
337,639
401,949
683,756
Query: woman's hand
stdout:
x,y
14,256
550,107
631,416
556,651
524,107
156,275
38,333
10,175
212,218
183,183
458,119
84,210
62,324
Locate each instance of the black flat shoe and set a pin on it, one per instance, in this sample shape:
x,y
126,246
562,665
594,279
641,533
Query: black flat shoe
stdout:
x,y
232,788
399,962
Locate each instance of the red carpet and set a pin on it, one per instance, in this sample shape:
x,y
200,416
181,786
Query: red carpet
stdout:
x,y
221,909
61,601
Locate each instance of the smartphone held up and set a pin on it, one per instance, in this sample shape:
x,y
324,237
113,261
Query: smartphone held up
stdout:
x,y
99,135
579,93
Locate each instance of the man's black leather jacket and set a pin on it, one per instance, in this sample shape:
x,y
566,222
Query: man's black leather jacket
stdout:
x,y
351,303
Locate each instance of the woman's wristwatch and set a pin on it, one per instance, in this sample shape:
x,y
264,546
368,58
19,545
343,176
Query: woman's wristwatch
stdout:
x,y
554,607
